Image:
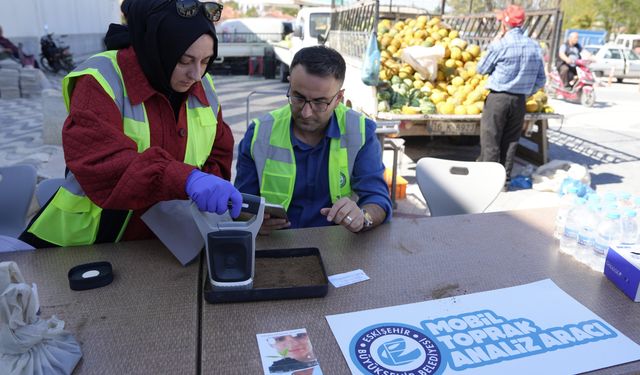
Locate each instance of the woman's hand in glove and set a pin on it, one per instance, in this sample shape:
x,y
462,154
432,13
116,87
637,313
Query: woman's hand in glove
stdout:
x,y
213,194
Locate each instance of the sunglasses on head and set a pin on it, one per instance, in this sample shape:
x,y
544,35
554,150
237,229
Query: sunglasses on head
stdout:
x,y
189,8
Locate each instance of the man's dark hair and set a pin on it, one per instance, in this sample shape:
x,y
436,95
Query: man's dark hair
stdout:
x,y
321,61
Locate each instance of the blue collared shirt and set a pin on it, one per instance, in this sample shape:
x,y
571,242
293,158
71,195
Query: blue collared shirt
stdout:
x,y
514,63
311,191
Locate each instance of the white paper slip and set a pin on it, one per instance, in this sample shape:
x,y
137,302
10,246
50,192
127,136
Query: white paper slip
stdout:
x,y
348,278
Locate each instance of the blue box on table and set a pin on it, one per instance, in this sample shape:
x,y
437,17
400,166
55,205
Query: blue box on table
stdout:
x,y
622,267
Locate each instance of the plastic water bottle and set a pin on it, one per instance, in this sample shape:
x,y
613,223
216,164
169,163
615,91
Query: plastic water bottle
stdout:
x,y
609,234
593,198
629,224
587,234
573,223
607,207
609,198
566,202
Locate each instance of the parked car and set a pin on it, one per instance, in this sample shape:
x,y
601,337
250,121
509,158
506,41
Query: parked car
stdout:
x,y
624,61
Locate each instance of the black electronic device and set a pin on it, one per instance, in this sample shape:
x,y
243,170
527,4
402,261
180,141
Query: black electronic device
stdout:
x,y
275,210
230,245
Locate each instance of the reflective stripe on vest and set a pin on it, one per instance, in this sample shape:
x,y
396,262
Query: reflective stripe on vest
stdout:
x,y
274,158
71,218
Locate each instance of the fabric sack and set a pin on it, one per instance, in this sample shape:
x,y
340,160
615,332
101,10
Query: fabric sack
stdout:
x,y
30,345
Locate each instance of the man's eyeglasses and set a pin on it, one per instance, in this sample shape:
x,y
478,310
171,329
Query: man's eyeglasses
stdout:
x,y
189,8
316,105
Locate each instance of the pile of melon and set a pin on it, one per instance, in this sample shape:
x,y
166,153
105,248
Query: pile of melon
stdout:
x,y
458,88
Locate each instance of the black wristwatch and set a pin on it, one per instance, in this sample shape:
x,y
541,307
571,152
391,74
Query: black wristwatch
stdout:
x,y
368,221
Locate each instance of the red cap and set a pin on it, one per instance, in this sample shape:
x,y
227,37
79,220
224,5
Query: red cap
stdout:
x,y
512,16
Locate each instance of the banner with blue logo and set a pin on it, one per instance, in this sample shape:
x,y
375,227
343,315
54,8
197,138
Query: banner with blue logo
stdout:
x,y
535,328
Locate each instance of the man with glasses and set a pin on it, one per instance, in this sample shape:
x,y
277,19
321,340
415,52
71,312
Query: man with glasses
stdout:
x,y
315,156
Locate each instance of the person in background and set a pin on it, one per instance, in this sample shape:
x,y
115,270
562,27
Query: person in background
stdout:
x,y
8,49
514,63
314,155
144,126
567,55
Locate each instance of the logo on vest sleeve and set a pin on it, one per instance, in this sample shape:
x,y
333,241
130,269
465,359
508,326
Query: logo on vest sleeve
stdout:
x,y
394,348
343,180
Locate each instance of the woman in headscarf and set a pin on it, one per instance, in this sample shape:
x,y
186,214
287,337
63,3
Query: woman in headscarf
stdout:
x,y
144,126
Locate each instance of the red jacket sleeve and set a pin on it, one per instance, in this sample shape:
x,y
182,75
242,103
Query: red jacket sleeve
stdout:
x,y
219,162
106,162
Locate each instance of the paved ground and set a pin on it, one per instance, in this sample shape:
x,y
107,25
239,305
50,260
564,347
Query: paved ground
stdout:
x,y
606,138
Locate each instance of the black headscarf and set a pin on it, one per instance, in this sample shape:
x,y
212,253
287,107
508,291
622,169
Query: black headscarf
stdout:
x,y
159,36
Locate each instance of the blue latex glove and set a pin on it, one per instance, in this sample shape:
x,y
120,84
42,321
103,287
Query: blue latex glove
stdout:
x,y
213,194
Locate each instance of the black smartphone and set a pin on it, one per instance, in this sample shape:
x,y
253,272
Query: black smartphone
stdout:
x,y
275,210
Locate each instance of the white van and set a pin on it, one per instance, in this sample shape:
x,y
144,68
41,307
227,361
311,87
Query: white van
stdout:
x,y
631,41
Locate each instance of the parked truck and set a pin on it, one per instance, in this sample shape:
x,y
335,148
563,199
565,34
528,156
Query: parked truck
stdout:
x,y
351,27
311,24
242,39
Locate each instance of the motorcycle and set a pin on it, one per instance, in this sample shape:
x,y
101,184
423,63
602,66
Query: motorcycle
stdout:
x,y
54,55
581,88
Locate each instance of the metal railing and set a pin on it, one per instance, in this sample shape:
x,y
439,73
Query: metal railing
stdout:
x,y
541,25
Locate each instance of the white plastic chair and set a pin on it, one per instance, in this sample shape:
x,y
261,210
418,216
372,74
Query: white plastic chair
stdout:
x,y
46,189
17,184
453,187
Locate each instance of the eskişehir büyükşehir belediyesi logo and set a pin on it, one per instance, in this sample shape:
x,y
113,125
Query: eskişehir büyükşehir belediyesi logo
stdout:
x,y
394,348
463,341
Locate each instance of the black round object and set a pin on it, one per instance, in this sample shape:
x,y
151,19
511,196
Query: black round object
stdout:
x,y
90,276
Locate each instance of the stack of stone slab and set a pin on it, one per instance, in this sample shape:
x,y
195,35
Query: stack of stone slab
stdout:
x,y
31,82
9,79
16,81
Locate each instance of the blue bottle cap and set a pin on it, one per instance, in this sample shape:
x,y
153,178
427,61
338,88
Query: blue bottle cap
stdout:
x,y
613,215
630,212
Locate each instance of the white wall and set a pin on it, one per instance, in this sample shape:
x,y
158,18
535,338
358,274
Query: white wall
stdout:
x,y
84,22
26,18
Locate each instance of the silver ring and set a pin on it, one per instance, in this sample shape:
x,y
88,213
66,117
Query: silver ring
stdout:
x,y
348,219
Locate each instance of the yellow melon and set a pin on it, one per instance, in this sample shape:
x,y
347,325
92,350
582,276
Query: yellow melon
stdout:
x,y
472,109
457,81
447,109
460,110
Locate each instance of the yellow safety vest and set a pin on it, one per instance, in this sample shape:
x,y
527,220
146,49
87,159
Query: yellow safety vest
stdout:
x,y
273,155
71,218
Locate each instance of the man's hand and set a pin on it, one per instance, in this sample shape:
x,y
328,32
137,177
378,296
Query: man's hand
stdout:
x,y
270,224
345,212
501,32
